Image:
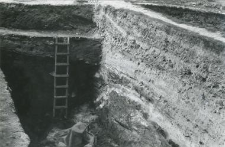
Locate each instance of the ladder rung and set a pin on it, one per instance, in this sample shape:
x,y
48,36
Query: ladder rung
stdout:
x,y
61,86
62,64
58,75
60,97
62,53
61,43
64,75
60,107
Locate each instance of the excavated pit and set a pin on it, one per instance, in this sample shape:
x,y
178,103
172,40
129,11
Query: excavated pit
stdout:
x,y
159,84
31,84
27,61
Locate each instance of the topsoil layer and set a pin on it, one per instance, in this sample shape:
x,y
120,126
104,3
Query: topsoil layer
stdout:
x,y
46,17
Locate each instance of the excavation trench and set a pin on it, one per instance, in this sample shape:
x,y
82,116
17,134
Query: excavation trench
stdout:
x,y
153,67
31,85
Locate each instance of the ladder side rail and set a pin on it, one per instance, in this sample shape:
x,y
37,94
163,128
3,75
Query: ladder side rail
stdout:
x,y
55,70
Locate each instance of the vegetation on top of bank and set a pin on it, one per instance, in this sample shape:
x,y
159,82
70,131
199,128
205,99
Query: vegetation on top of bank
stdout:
x,y
46,17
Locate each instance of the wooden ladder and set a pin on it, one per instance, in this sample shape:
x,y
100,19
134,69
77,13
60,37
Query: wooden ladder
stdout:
x,y
61,76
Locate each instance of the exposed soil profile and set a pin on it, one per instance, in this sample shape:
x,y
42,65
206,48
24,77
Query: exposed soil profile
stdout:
x,y
211,21
88,50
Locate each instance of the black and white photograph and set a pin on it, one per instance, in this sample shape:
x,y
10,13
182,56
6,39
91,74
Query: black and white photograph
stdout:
x,y
112,73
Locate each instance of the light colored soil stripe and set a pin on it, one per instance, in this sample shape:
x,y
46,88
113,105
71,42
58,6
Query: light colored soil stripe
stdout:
x,y
4,31
200,31
184,7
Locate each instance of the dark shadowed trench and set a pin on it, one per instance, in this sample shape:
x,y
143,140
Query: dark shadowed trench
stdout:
x,y
31,86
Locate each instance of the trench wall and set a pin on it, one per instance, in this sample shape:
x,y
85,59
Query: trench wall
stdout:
x,y
160,85
88,50
11,131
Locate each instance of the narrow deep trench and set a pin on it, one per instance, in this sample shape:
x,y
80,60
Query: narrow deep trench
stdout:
x,y
31,88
